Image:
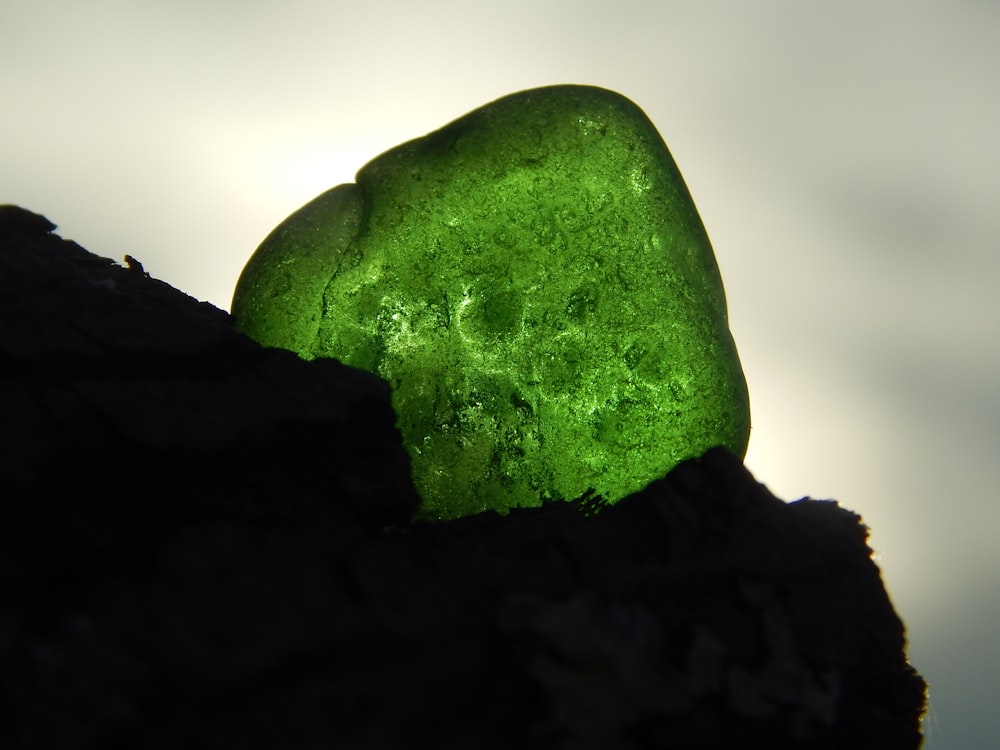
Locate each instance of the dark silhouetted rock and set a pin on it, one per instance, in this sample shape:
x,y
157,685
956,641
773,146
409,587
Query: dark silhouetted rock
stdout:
x,y
206,544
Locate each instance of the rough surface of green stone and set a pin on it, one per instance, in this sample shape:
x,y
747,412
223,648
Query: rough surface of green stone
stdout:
x,y
534,282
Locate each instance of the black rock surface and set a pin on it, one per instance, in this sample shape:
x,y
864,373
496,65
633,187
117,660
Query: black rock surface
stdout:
x,y
207,544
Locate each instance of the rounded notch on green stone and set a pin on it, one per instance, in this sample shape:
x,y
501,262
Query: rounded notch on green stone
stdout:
x,y
278,296
534,282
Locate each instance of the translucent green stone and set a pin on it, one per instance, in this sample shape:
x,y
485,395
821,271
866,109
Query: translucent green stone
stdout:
x,y
534,282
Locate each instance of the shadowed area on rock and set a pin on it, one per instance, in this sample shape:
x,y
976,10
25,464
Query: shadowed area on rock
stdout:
x,y
205,543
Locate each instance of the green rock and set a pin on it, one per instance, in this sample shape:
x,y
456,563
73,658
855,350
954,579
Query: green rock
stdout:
x,y
534,282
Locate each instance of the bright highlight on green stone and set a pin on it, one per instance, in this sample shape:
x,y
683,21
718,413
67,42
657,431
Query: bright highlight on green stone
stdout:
x,y
535,284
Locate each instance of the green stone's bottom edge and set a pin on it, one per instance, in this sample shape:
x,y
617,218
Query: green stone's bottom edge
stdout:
x,y
589,503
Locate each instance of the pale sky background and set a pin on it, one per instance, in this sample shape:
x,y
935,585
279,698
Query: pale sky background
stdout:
x,y
844,156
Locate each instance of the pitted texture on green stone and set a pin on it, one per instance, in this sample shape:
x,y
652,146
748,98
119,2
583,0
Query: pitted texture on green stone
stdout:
x,y
535,283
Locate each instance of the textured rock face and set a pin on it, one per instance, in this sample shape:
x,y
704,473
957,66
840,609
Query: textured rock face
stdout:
x,y
176,572
535,284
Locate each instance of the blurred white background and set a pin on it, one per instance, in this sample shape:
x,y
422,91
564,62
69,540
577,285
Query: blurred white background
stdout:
x,y
844,156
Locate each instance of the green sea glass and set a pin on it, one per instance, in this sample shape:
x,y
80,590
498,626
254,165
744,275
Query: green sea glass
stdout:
x,y
535,284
